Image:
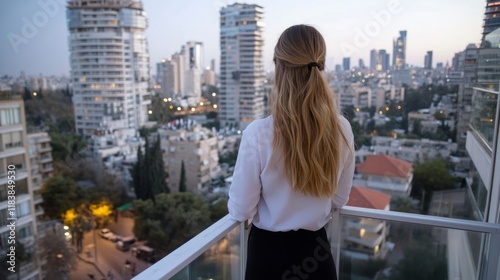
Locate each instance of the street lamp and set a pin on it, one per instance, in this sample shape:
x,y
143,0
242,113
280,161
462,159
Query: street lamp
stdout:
x,y
93,229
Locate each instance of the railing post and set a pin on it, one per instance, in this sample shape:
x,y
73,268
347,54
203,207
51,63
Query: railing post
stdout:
x,y
492,258
244,230
335,234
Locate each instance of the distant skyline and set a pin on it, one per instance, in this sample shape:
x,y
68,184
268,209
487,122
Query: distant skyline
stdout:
x,y
351,29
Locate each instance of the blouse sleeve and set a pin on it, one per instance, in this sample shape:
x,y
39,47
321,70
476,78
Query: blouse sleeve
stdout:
x,y
346,176
244,193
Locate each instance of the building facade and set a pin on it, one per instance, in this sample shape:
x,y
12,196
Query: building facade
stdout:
x,y
346,63
197,149
365,237
17,208
428,60
399,51
109,64
379,60
491,17
386,174
242,67
40,154
467,62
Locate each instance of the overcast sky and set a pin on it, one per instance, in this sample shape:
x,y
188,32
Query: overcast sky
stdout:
x,y
351,28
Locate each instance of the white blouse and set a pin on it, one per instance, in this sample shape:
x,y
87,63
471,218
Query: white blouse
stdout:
x,y
259,190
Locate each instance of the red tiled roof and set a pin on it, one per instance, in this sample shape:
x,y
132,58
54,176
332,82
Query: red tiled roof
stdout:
x,y
385,166
367,198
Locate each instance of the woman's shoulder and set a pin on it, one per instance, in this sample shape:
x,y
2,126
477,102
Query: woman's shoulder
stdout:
x,y
344,122
346,126
260,125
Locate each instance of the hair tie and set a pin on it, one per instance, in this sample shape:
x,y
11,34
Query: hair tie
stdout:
x,y
313,64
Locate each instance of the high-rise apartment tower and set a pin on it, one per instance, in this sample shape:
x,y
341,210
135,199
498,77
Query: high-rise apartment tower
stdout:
x,y
109,64
241,66
399,51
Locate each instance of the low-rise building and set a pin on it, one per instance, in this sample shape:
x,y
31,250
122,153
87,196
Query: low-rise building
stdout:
x,y
194,146
411,150
386,174
364,237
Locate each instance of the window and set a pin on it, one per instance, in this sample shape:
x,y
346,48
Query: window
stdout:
x,y
13,139
9,116
25,232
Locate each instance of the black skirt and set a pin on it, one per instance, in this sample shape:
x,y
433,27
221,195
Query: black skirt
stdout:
x,y
290,255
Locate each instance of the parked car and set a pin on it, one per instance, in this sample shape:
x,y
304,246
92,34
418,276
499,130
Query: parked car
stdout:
x,y
115,237
144,253
106,233
125,243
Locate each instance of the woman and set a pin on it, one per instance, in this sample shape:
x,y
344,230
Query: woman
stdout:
x,y
293,166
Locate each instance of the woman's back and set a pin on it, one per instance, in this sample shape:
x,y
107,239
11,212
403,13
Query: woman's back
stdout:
x,y
277,207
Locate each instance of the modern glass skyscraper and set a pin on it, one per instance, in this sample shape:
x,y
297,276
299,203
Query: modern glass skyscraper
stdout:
x,y
428,60
491,17
346,63
399,51
379,60
109,64
241,67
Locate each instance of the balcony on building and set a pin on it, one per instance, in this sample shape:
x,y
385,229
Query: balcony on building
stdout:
x,y
432,246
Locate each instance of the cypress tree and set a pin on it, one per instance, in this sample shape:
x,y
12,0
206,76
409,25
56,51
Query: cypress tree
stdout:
x,y
158,175
182,183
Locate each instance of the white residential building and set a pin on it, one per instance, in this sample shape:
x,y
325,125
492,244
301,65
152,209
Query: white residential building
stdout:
x,y
242,77
109,64
386,174
365,237
40,154
14,162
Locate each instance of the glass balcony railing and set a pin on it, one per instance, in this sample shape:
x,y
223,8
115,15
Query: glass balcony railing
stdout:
x,y
366,244
484,114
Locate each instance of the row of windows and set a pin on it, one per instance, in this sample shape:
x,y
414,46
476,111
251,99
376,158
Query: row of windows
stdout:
x,y
21,188
12,139
22,209
22,232
9,116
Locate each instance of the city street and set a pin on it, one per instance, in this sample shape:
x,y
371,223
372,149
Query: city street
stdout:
x,y
109,258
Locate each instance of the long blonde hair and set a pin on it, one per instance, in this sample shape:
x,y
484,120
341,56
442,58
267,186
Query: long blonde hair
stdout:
x,y
307,128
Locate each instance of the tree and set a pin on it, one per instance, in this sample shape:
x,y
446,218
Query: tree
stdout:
x,y
161,112
138,177
349,113
148,173
182,183
417,127
420,263
59,194
66,146
171,220
78,225
101,212
59,258
218,210
430,176
403,204
158,175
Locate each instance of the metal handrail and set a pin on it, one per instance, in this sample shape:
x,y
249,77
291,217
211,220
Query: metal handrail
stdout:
x,y
189,251
420,219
